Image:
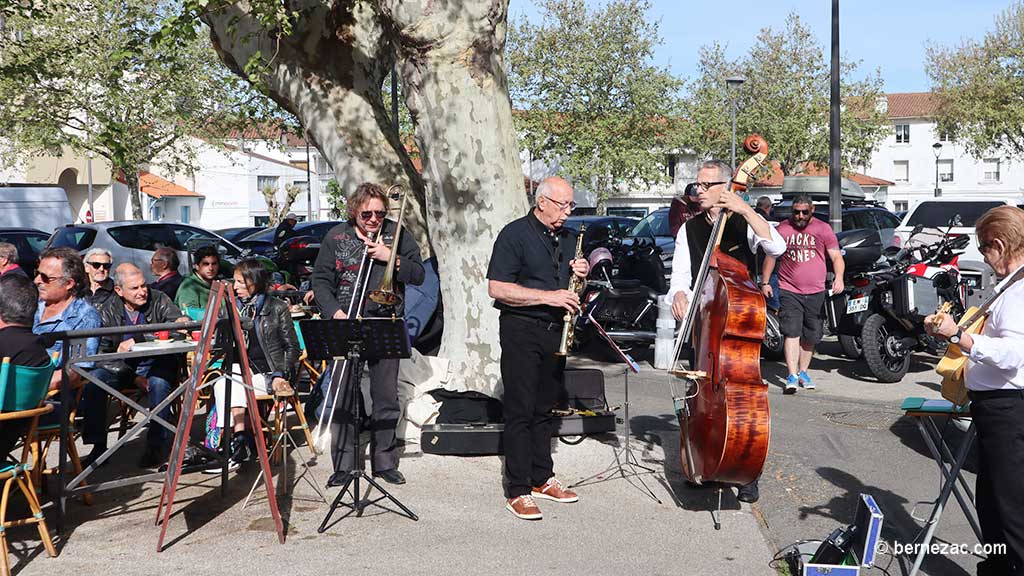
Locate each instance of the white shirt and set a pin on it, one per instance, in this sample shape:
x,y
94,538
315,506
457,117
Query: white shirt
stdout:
x,y
682,277
996,360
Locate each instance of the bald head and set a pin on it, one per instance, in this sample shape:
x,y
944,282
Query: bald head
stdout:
x,y
554,202
124,272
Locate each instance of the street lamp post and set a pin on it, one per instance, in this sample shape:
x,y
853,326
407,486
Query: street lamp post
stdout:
x,y
88,169
937,148
732,84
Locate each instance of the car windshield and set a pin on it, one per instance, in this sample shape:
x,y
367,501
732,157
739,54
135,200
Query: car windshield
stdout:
x,y
73,237
655,224
936,214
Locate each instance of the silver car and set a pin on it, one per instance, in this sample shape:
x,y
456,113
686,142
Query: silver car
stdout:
x,y
134,241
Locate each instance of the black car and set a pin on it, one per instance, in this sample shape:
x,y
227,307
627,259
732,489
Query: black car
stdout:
x,y
295,252
600,229
29,242
655,226
855,217
236,234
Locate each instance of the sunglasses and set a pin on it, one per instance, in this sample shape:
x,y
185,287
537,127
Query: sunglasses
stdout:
x,y
367,214
98,265
798,212
983,246
706,185
48,279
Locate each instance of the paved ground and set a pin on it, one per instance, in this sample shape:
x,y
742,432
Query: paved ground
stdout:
x,y
826,447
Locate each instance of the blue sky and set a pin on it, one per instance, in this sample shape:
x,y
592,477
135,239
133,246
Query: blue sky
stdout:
x,y
890,35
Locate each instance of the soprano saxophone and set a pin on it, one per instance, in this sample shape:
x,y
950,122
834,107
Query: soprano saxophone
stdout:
x,y
576,285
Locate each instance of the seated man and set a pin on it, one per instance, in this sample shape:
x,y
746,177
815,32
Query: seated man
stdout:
x,y
98,262
134,305
194,291
63,287
9,260
164,266
17,306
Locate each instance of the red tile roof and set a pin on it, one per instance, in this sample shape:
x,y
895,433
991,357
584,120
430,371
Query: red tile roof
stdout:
x,y
911,105
156,187
812,170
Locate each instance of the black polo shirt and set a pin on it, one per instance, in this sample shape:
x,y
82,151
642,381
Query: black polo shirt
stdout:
x,y
528,254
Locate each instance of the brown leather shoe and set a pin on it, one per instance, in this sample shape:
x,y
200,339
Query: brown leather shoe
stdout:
x,y
553,490
524,507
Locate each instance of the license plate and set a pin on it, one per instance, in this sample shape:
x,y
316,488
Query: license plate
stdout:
x,y
857,305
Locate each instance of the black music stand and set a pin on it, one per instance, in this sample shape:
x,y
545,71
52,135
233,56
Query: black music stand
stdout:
x,y
357,339
624,463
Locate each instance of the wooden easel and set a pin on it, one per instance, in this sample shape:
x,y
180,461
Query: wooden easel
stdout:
x,y
219,295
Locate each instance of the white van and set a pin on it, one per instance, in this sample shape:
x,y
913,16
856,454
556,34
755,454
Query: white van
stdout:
x,y
935,215
44,208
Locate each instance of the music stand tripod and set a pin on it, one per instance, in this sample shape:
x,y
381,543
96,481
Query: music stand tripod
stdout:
x,y
623,458
359,340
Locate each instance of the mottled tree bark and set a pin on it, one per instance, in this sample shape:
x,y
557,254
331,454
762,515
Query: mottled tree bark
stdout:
x,y
329,73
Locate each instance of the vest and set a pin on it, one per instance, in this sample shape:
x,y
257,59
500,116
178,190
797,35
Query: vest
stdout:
x,y
734,243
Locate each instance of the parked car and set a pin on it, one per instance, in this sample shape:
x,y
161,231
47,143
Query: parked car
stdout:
x,y
934,216
856,216
236,234
40,207
296,253
134,241
29,242
600,229
655,226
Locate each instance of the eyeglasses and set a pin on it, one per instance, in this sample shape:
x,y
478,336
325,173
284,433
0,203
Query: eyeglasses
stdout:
x,y
47,279
706,185
98,265
796,212
570,205
367,214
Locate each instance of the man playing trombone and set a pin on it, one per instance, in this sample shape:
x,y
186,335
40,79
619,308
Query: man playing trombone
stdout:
x,y
366,239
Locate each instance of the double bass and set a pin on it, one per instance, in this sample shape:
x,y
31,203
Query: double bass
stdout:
x,y
724,416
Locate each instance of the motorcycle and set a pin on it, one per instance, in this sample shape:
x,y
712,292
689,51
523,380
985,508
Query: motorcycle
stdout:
x,y
626,279
883,307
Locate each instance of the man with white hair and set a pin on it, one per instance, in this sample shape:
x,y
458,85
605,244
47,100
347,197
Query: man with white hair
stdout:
x,y
135,305
98,262
9,260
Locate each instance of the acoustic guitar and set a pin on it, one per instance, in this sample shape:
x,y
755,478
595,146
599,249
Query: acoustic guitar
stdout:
x,y
952,367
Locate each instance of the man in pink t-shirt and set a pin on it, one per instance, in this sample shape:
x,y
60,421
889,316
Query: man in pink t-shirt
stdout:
x,y
802,286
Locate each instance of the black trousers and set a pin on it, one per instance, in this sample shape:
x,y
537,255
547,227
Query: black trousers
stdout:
x,y
999,417
382,391
532,377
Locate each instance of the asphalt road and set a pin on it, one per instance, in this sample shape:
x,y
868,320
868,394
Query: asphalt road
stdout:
x,y
847,437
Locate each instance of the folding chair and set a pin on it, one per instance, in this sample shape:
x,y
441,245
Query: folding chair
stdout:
x,y
39,443
22,393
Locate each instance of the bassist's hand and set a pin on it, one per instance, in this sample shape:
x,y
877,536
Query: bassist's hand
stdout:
x,y
679,305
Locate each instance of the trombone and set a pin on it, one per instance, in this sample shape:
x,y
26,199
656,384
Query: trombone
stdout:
x,y
385,295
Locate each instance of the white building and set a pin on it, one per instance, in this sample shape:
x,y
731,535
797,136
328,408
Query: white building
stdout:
x,y
909,157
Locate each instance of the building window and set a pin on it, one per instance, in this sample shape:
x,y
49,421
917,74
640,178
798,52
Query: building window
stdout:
x,y
264,182
671,167
303,186
990,170
903,133
945,170
901,171
899,206
185,214
944,136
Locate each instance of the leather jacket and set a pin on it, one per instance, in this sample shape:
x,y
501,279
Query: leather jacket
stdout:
x,y
158,310
275,331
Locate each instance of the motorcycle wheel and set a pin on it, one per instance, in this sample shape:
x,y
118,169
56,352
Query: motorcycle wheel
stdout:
x,y
772,348
879,351
852,346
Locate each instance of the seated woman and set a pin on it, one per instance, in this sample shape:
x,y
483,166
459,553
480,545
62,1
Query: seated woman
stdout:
x,y
271,345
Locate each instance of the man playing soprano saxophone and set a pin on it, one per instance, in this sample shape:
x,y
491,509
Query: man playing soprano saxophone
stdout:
x,y
528,274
